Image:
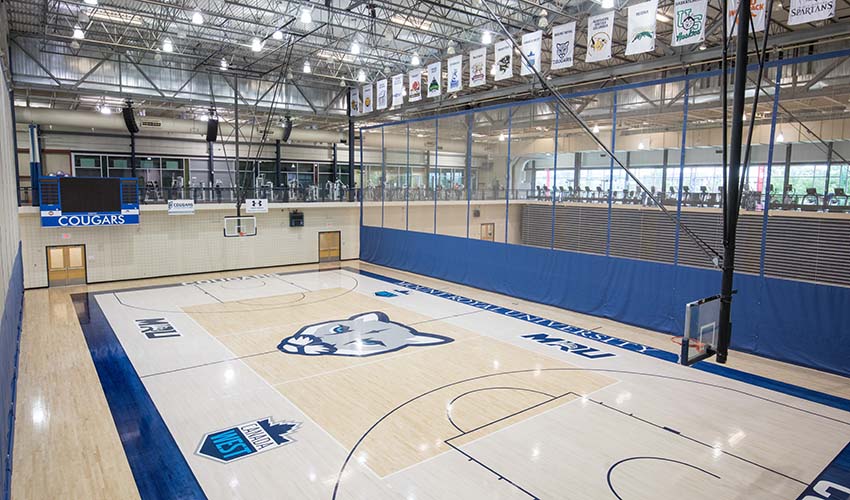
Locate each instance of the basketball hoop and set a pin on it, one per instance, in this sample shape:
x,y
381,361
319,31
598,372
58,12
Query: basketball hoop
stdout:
x,y
692,344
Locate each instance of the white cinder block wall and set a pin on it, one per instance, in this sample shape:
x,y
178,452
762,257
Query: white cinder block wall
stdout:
x,y
163,245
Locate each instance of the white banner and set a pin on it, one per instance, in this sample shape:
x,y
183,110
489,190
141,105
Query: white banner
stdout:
x,y
435,79
532,44
355,102
454,74
256,205
381,90
563,45
504,60
414,85
807,11
599,30
756,11
398,90
689,22
478,67
367,98
181,207
641,28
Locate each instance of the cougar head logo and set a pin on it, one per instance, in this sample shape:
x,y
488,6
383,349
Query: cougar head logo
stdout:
x,y
365,334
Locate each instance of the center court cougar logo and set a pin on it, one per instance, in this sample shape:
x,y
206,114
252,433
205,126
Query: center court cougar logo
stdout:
x,y
361,335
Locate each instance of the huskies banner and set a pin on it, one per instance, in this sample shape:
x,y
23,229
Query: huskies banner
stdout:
x,y
756,11
454,72
355,101
807,11
532,44
599,30
478,67
689,22
435,77
504,61
641,28
398,90
367,98
563,45
381,89
414,85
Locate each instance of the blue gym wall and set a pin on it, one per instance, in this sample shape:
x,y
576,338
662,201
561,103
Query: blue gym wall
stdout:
x,y
787,320
10,328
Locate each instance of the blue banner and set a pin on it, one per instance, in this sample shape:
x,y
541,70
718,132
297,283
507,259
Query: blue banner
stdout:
x,y
55,218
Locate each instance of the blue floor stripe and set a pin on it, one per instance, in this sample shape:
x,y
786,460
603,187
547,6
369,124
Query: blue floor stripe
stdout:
x,y
158,466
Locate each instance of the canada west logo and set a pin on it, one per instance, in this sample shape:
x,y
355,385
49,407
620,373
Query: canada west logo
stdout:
x,y
365,334
246,439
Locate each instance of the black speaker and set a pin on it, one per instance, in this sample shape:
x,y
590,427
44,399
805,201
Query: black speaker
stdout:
x,y
130,120
212,129
287,129
296,219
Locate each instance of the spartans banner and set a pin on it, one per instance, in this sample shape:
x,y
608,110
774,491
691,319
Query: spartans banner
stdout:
x,y
807,11
398,90
414,85
454,72
435,77
563,45
599,30
641,28
688,22
504,61
478,67
381,89
532,44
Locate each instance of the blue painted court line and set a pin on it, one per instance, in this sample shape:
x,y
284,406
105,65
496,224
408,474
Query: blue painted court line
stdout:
x,y
159,467
723,371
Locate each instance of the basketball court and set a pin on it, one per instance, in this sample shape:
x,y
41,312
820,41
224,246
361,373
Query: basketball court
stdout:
x,y
349,383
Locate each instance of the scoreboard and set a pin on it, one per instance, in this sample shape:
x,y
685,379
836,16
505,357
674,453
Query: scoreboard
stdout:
x,y
88,201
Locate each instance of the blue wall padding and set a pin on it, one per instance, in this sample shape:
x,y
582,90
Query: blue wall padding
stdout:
x,y
10,329
792,321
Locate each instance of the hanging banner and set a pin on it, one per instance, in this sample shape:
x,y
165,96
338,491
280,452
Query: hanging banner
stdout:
x,y
807,11
367,98
532,44
563,44
454,72
381,90
398,90
641,28
599,30
689,22
756,11
414,85
355,101
435,78
504,65
478,67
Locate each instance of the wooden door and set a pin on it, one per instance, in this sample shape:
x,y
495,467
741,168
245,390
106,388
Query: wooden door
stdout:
x,y
488,231
66,265
329,246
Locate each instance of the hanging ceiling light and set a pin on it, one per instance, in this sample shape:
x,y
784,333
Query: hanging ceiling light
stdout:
x,y
780,137
355,47
607,4
167,45
307,68
361,76
78,33
595,128
224,64
414,60
486,38
662,18
256,44
641,146
501,137
450,50
197,18
306,16
75,44
105,110
277,35
90,2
